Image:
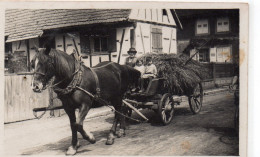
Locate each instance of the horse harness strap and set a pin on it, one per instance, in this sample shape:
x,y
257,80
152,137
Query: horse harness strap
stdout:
x,y
97,82
75,81
98,90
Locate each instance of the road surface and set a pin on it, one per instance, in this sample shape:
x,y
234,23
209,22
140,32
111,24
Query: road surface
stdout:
x,y
208,133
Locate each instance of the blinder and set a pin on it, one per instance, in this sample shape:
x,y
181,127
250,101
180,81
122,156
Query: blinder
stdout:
x,y
45,77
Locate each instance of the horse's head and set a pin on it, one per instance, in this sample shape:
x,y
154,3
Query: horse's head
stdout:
x,y
43,67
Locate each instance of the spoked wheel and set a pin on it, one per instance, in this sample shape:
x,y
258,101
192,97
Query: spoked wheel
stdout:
x,y
196,99
166,109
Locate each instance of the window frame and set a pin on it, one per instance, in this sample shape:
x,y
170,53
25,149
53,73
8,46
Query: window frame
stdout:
x,y
196,24
229,25
100,44
204,53
231,53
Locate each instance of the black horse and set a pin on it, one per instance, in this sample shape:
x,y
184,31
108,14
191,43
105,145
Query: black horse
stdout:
x,y
107,80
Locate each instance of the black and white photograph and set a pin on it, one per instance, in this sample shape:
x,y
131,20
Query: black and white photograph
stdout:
x,y
133,78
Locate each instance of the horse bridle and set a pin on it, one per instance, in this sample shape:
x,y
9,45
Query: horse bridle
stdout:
x,y
45,75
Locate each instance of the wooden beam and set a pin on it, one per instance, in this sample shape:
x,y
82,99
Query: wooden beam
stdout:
x,y
121,45
170,42
90,60
132,38
142,37
64,43
109,56
133,108
28,55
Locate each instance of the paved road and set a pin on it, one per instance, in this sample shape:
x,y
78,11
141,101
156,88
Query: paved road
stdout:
x,y
208,133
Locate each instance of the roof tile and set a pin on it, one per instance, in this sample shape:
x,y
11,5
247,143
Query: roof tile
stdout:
x,y
23,23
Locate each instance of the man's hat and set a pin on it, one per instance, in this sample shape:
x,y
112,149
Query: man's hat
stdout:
x,y
132,50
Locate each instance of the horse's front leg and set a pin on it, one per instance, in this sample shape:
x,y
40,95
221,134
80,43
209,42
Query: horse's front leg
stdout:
x,y
83,111
72,150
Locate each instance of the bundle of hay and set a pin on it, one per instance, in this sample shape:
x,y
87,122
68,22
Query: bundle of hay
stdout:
x,y
181,78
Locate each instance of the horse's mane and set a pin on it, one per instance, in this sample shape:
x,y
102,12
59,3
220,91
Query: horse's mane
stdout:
x,y
64,63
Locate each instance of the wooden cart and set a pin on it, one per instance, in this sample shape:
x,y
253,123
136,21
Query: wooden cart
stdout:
x,y
161,102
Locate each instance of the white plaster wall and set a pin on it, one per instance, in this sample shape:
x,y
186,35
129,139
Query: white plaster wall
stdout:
x,y
86,61
125,45
96,59
59,42
145,46
155,15
174,41
69,41
169,41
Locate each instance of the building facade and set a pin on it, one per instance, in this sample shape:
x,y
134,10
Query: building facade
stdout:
x,y
214,32
97,34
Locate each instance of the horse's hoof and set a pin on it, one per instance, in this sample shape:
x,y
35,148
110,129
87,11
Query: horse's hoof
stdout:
x,y
78,145
121,132
71,151
92,140
110,139
90,137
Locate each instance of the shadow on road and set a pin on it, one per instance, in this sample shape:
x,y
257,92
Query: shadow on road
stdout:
x,y
62,145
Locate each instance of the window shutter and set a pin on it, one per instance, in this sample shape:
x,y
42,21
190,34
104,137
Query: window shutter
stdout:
x,y
213,55
156,39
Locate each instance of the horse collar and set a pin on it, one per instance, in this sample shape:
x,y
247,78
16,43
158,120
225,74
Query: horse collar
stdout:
x,y
77,78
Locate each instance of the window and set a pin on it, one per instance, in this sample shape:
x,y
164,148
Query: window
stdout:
x,y
8,52
204,55
156,39
101,44
223,25
224,54
202,26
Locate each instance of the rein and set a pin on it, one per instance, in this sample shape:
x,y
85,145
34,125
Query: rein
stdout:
x,y
107,104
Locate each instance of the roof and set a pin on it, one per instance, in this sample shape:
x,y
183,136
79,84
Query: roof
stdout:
x,y
29,23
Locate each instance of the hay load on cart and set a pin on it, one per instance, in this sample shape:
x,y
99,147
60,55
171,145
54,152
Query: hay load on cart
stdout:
x,y
181,73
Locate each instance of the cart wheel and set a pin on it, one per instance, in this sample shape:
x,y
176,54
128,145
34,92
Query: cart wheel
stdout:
x,y
196,99
166,109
